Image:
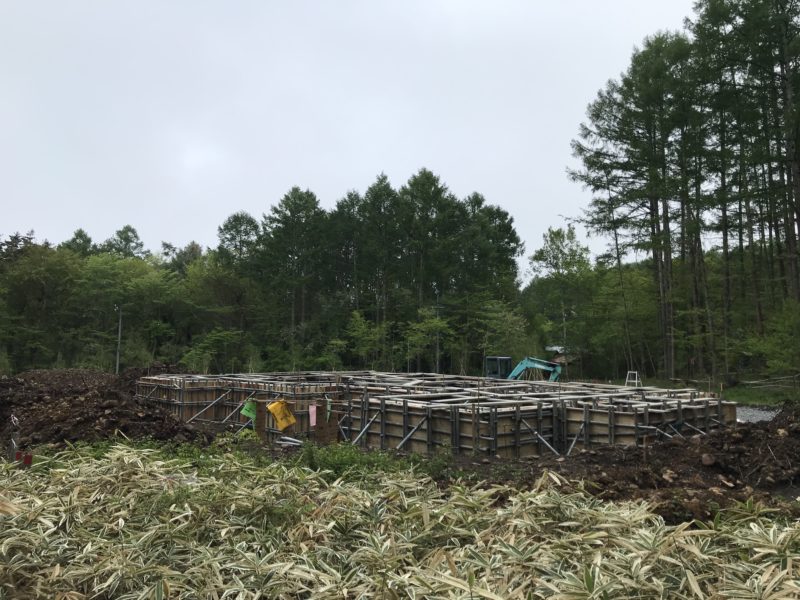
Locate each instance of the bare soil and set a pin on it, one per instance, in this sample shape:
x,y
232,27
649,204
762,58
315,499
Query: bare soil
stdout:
x,y
684,478
60,406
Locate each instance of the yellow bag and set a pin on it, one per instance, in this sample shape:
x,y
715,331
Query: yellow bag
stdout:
x,y
282,415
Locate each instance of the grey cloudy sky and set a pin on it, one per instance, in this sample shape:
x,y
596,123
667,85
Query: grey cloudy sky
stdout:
x,y
171,115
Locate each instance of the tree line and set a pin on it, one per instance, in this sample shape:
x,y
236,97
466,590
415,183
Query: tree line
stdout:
x,y
399,279
692,158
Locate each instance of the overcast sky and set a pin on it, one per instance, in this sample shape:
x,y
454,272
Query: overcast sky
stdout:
x,y
171,115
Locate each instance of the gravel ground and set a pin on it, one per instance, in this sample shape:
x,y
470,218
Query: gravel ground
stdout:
x,y
753,414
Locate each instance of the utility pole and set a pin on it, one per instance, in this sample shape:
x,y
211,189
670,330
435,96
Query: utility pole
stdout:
x,y
119,334
437,332
564,336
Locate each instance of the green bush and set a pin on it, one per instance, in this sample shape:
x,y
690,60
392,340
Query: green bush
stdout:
x,y
777,350
351,462
346,460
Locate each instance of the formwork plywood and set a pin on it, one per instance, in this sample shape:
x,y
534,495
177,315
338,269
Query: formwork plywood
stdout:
x,y
423,412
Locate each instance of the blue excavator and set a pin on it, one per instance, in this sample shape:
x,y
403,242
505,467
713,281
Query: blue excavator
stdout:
x,y
499,367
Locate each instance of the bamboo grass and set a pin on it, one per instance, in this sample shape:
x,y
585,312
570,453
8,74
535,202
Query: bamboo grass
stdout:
x,y
135,524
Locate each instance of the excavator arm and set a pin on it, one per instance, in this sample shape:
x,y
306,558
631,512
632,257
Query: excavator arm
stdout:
x,y
529,362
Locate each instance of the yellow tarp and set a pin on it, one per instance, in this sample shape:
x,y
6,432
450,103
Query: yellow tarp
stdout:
x,y
282,414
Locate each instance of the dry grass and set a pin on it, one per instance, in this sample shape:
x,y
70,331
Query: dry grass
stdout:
x,y
134,524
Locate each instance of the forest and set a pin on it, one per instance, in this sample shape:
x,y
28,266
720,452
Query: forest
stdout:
x,y
691,158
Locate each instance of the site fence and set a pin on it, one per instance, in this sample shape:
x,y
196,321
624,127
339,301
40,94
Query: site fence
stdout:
x,y
787,382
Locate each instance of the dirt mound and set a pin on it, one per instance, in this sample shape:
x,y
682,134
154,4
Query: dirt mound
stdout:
x,y
128,378
685,477
67,405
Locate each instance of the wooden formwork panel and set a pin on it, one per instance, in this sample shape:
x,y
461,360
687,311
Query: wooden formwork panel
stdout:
x,y
461,429
609,425
424,412
221,400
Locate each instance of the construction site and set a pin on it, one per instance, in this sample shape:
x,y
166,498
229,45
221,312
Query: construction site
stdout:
x,y
426,413
682,449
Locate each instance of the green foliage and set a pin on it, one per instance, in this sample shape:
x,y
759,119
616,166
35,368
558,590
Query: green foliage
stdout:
x,y
777,396
356,287
229,441
563,291
561,256
238,237
80,243
365,338
778,348
690,148
346,460
331,358
414,278
438,466
125,242
426,336
179,259
349,462
218,351
5,363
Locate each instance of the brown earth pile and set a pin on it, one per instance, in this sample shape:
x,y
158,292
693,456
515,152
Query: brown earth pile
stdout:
x,y
66,405
686,477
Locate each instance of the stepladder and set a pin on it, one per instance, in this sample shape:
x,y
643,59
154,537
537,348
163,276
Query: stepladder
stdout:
x,y
633,379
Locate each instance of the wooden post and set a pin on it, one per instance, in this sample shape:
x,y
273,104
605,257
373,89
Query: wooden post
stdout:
x,y
364,412
493,426
349,413
558,444
383,423
475,428
181,398
539,427
455,435
405,418
586,440
261,421
429,429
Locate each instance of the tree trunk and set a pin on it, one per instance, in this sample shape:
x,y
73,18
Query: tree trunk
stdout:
x,y
792,168
667,274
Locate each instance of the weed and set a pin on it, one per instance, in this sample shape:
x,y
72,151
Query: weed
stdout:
x,y
345,460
